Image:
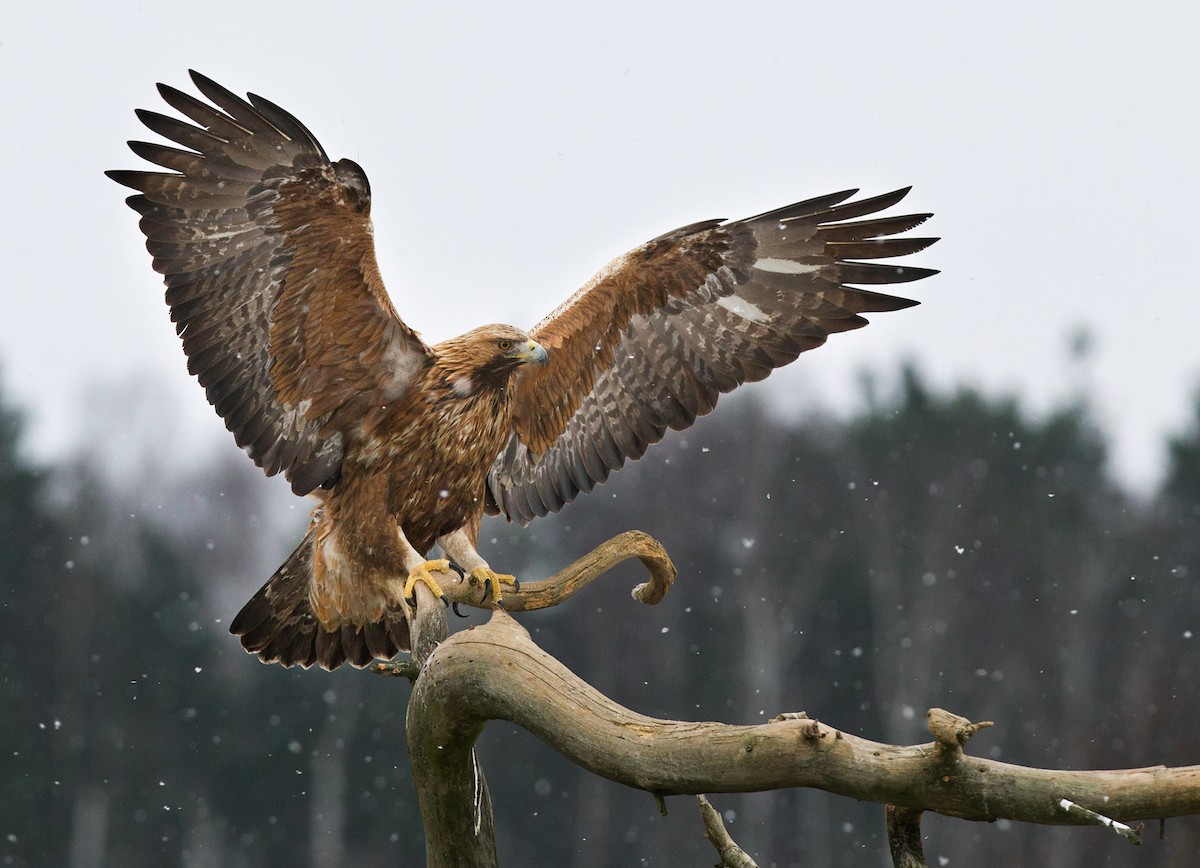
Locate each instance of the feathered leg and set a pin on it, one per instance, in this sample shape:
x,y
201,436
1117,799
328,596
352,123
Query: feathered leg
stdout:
x,y
460,546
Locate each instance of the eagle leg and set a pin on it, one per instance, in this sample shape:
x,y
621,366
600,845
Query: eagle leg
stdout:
x,y
421,573
491,582
460,545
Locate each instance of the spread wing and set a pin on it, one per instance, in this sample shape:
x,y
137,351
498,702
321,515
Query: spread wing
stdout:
x,y
266,249
653,340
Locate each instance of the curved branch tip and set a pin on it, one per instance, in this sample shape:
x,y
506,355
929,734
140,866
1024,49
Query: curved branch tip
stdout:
x,y
571,580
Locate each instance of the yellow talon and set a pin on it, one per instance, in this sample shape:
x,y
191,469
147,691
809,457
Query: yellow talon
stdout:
x,y
421,574
492,581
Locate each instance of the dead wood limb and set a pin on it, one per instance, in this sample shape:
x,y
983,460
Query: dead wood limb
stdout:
x,y
456,807
403,668
428,625
732,856
455,804
1134,836
569,581
495,671
904,837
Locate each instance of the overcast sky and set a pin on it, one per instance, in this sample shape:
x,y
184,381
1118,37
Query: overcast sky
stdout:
x,y
514,150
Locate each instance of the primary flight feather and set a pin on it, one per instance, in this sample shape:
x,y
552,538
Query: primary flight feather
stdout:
x,y
267,252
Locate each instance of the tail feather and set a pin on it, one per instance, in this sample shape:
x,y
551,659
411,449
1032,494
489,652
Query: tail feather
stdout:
x,y
278,624
384,639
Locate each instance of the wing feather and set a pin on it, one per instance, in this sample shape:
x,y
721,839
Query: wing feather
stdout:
x,y
655,338
266,250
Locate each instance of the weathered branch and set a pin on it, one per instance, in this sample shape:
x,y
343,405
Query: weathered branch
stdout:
x,y
495,671
428,627
904,837
950,734
456,808
732,856
1134,836
569,581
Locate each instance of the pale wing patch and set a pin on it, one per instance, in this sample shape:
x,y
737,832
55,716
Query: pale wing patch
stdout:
x,y
403,366
743,308
784,266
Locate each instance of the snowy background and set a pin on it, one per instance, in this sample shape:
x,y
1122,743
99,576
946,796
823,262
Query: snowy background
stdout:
x,y
911,556
513,150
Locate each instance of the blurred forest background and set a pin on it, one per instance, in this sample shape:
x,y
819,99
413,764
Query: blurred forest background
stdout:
x,y
947,549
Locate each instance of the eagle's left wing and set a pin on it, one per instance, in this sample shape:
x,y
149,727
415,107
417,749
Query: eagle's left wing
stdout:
x,y
267,251
653,340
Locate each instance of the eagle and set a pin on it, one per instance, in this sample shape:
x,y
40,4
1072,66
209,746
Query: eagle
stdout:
x,y
266,248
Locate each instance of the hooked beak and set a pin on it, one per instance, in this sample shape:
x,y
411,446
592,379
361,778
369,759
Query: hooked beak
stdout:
x,y
531,353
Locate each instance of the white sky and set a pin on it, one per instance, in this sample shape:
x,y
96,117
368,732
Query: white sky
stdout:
x,y
513,150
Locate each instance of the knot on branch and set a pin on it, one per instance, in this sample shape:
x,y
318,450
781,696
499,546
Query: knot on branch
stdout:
x,y
950,731
811,731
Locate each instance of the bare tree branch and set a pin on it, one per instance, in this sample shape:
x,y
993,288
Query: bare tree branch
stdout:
x,y
495,671
428,625
569,581
904,837
428,629
456,809
1134,836
732,856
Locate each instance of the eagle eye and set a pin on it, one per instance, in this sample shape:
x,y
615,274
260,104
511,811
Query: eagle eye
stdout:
x,y
505,345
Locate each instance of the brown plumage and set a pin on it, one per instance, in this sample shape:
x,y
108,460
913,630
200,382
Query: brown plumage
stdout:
x,y
267,253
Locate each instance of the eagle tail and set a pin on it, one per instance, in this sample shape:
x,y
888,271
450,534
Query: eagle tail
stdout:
x,y
278,624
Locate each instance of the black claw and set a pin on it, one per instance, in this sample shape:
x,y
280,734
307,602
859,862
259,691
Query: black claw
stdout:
x,y
445,601
516,584
412,601
454,606
487,591
462,574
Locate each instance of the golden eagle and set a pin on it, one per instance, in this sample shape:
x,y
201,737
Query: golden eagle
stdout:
x,y
267,251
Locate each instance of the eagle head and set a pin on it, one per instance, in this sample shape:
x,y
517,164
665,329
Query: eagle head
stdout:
x,y
488,355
